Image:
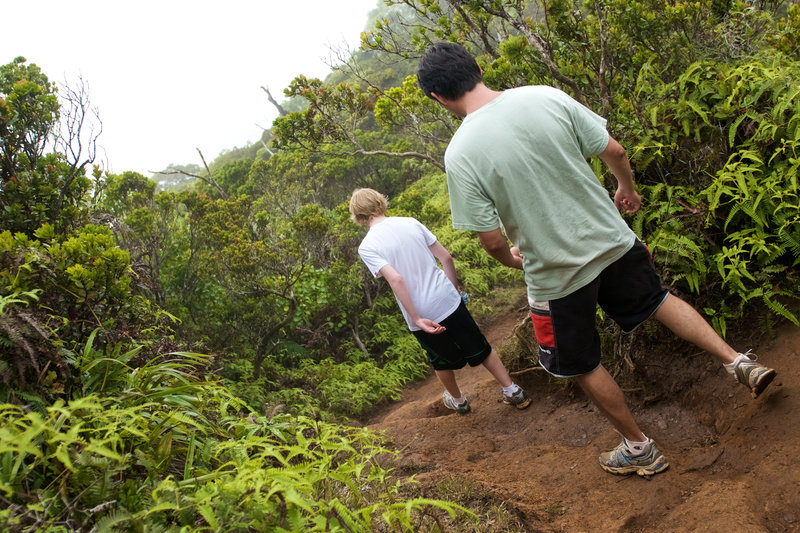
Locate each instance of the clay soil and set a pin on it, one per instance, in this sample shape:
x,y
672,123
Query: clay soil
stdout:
x,y
734,465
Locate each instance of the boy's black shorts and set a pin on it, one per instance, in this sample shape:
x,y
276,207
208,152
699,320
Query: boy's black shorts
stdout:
x,y
461,342
628,290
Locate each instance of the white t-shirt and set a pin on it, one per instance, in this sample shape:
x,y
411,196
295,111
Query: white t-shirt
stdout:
x,y
403,243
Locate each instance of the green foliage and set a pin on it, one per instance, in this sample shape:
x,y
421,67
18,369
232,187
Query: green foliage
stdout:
x,y
37,188
28,112
59,289
738,233
406,110
232,175
79,279
787,38
336,117
703,93
31,196
164,450
324,120
126,192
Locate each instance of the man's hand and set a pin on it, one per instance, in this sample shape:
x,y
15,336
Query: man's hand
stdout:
x,y
429,326
496,245
628,201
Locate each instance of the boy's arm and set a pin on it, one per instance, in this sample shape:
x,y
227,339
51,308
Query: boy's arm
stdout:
x,y
398,285
444,257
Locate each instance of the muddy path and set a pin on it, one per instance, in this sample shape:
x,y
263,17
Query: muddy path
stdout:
x,y
734,464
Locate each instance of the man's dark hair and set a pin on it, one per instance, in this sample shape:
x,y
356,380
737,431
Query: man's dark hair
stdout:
x,y
448,70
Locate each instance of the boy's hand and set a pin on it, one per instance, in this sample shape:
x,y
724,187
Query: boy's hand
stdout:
x,y
429,326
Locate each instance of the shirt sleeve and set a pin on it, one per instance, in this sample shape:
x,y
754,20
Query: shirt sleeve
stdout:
x,y
374,261
470,207
590,128
427,235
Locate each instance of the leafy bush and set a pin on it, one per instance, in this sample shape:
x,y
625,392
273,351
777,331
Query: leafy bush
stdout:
x,y
732,226
158,448
81,281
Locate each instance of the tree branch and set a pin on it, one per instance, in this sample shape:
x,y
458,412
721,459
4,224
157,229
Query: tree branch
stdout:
x,y
281,111
414,155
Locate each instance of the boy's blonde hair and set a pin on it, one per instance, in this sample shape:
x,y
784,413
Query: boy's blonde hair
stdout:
x,y
366,204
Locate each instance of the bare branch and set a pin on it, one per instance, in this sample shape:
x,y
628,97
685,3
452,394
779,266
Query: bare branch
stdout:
x,y
539,43
605,92
482,33
77,132
209,179
413,155
72,138
281,111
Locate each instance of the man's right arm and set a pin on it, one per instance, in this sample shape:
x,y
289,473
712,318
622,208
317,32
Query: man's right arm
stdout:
x,y
616,159
496,245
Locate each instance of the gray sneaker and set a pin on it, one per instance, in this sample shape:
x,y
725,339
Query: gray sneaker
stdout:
x,y
620,461
519,399
450,403
754,375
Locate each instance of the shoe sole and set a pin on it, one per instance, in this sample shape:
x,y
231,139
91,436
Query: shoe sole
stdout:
x,y
522,405
650,470
763,381
461,411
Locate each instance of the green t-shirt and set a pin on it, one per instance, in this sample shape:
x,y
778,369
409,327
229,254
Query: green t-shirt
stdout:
x,y
520,161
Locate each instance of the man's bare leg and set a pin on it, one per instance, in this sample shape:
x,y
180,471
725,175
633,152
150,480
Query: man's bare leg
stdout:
x,y
604,392
686,323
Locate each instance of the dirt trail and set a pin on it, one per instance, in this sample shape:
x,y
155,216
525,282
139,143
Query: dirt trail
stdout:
x,y
733,460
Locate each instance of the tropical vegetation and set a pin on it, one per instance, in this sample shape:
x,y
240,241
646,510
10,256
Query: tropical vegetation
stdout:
x,y
197,357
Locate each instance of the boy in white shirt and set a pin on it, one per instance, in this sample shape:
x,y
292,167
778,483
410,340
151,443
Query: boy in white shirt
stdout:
x,y
404,251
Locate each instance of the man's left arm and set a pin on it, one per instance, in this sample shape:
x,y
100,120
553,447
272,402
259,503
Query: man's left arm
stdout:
x,y
616,159
496,245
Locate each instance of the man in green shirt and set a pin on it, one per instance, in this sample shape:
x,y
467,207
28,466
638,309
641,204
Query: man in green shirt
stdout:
x,y
518,163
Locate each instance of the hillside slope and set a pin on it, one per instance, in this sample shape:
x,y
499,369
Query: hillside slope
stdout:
x,y
733,462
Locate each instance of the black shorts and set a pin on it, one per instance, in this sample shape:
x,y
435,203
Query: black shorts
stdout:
x,y
628,290
459,344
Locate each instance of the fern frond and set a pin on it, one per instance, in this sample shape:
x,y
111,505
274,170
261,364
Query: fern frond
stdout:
x,y
780,310
112,521
791,240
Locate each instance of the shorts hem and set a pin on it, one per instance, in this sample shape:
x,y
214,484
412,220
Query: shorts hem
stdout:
x,y
480,357
570,376
448,367
655,310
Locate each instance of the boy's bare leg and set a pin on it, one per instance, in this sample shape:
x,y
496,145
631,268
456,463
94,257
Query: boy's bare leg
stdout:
x,y
496,368
604,392
448,379
689,325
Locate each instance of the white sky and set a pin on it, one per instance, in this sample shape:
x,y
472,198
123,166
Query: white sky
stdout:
x,y
171,76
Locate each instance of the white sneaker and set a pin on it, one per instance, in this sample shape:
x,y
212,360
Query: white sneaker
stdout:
x,y
450,403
